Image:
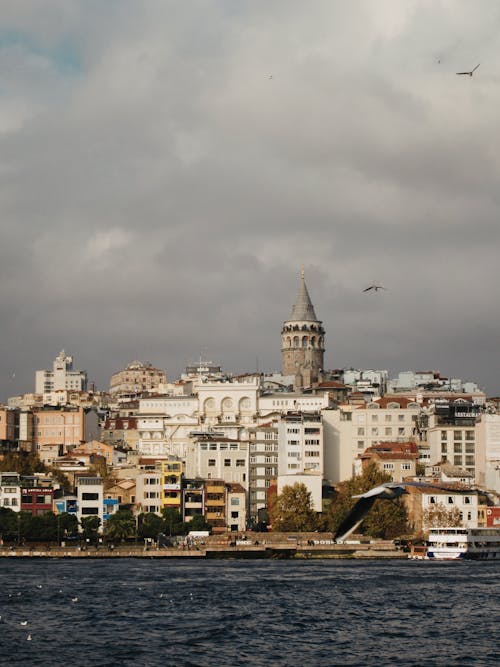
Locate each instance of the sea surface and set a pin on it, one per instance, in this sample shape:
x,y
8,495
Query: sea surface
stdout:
x,y
121,612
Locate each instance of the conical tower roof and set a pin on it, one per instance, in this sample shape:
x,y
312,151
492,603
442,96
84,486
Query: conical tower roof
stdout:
x,y
303,310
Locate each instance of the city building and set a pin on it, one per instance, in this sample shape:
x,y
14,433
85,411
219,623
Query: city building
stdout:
x,y
236,508
62,376
397,459
302,341
148,491
10,491
135,380
216,504
193,499
58,426
90,495
171,485
37,495
263,465
215,457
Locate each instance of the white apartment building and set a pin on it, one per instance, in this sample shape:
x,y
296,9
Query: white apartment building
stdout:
x,y
272,406
62,376
90,494
10,491
466,503
300,453
488,454
218,458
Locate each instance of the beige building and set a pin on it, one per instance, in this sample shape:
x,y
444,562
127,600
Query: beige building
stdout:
x,y
62,376
137,379
64,427
397,459
236,510
7,425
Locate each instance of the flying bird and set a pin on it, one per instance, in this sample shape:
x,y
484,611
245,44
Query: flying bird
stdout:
x,y
375,288
469,73
24,622
387,491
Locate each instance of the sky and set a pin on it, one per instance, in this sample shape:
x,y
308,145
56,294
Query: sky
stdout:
x,y
167,168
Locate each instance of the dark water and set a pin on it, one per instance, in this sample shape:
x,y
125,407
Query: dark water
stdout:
x,y
300,613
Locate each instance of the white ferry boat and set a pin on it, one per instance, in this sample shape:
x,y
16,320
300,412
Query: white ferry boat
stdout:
x,y
463,543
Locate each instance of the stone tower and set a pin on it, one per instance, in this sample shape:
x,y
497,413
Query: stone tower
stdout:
x,y
302,341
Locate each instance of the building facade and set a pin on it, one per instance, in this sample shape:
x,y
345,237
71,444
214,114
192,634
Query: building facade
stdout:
x,y
62,376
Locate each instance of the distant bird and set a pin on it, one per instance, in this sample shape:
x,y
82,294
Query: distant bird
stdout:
x,y
387,491
24,622
39,586
375,288
29,638
74,599
469,73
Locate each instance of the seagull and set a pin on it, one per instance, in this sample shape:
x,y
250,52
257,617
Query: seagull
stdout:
x,y
29,638
74,599
469,73
387,491
375,288
24,622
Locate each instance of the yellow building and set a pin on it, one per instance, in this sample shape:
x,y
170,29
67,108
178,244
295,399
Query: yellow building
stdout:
x,y
215,504
171,485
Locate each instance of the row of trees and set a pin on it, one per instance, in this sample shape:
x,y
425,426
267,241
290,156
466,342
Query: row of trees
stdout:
x,y
123,525
292,509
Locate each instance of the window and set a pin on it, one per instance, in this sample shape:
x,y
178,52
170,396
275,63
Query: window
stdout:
x,y
213,446
388,418
235,515
401,418
227,462
374,418
457,460
401,431
361,431
457,447
469,435
467,500
90,510
211,463
90,496
388,431
222,446
457,435
240,463
235,501
451,500
388,466
233,446
406,466
374,431
361,444
444,435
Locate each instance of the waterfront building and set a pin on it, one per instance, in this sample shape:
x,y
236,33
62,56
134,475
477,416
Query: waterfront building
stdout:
x,y
302,341
171,485
236,508
263,465
37,495
62,376
148,496
193,499
419,500
90,494
216,504
10,491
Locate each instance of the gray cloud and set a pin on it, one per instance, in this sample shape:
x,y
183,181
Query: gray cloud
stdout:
x,y
159,192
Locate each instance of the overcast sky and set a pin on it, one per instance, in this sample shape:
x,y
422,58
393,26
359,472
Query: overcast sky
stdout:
x,y
166,168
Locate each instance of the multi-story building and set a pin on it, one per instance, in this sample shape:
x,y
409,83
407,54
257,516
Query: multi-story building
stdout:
x,y
263,465
8,438
120,432
212,457
397,459
419,500
64,427
62,376
352,428
148,495
10,491
193,499
90,494
37,495
216,504
171,485
137,379
236,508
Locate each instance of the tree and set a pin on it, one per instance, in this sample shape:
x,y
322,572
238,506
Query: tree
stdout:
x,y
293,510
387,518
68,525
8,523
22,462
42,528
120,525
150,524
173,521
90,527
198,522
440,517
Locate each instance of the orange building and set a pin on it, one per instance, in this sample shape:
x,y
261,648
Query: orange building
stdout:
x,y
64,427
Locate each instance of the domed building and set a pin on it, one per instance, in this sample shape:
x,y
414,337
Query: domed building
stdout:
x,y
302,341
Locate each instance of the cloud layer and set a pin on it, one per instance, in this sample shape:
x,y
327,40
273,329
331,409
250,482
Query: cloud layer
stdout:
x,y
167,167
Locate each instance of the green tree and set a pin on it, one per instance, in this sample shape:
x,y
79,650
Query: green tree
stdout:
x,y
42,528
387,518
174,524
293,510
150,524
198,522
120,525
68,525
8,523
22,462
90,527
